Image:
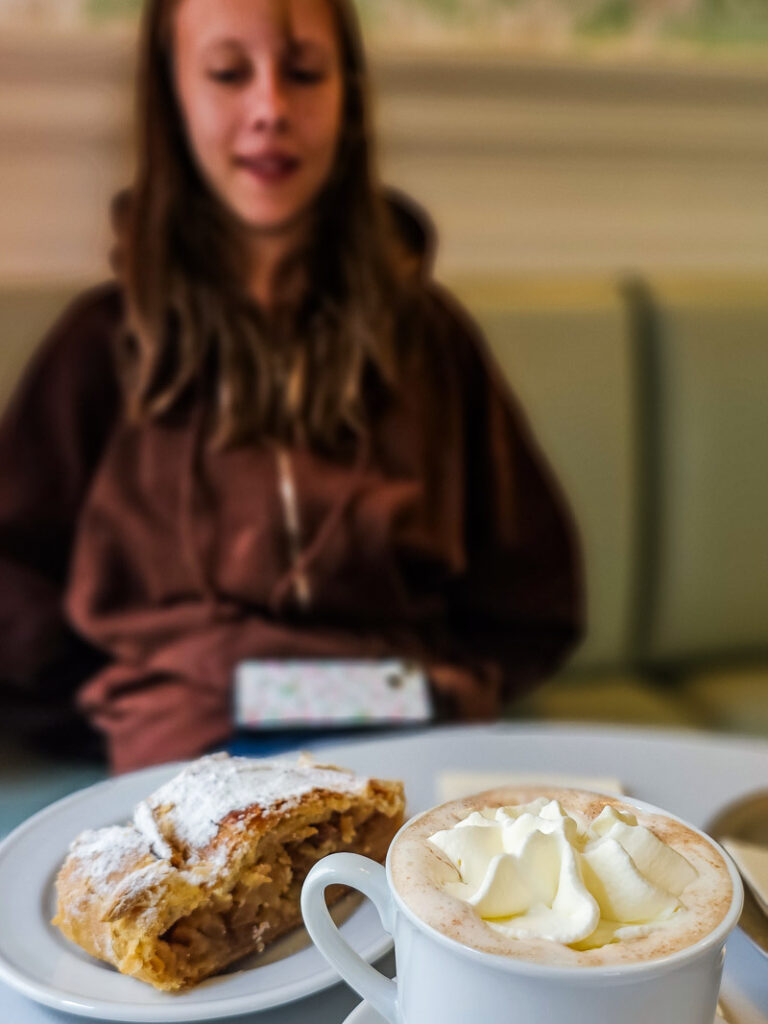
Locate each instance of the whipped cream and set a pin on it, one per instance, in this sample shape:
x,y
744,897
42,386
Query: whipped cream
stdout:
x,y
536,871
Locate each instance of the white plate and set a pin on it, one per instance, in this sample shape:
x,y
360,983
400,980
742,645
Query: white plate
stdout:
x,y
36,959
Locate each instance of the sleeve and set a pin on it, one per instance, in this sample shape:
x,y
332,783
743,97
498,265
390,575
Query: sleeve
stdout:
x,y
517,609
51,436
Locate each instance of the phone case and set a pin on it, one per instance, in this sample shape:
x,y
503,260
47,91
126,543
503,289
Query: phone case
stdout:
x,y
295,694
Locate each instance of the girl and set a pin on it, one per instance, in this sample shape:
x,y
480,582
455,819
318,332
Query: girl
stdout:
x,y
272,435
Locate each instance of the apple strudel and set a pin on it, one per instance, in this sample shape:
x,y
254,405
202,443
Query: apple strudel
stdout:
x,y
211,867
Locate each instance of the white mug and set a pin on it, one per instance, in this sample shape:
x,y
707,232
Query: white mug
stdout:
x,y
439,979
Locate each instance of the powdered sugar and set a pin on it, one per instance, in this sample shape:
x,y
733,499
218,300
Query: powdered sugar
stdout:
x,y
146,824
119,866
107,851
197,800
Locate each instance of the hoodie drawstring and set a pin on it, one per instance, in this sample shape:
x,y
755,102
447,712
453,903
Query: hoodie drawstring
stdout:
x,y
298,576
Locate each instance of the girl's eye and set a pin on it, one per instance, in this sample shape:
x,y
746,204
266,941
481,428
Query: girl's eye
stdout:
x,y
305,76
228,76
238,75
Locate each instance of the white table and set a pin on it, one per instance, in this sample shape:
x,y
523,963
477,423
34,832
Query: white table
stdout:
x,y
691,774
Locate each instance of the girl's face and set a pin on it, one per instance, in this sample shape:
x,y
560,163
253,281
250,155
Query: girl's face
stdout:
x,y
259,84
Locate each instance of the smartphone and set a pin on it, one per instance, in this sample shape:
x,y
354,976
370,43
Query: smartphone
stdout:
x,y
321,693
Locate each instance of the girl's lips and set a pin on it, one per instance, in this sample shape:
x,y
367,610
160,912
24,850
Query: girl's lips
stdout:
x,y
269,168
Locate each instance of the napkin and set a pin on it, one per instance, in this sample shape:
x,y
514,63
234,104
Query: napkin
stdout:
x,y
455,785
752,861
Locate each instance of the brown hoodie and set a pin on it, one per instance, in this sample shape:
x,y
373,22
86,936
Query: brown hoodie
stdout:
x,y
141,566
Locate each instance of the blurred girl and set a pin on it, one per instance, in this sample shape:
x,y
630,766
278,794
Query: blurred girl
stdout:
x,y
272,435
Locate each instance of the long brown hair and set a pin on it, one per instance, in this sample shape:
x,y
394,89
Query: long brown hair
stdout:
x,y
300,375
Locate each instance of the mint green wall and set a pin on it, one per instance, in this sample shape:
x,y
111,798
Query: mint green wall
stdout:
x,y
708,23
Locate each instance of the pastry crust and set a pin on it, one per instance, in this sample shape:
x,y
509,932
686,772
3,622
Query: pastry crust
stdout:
x,y
212,865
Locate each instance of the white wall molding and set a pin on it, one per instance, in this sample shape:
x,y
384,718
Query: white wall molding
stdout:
x,y
526,165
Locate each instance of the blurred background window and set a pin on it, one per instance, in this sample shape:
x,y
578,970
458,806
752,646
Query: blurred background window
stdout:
x,y
517,24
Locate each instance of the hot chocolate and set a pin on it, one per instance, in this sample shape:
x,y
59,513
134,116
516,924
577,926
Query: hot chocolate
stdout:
x,y
560,876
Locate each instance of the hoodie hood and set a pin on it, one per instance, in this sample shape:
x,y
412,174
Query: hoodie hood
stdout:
x,y
414,234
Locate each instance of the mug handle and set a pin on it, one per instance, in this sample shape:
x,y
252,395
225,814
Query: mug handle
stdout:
x,y
369,878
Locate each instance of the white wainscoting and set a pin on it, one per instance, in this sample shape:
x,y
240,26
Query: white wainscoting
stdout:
x,y
526,165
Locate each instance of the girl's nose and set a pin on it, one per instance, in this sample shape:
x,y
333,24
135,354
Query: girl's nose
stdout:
x,y
269,100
